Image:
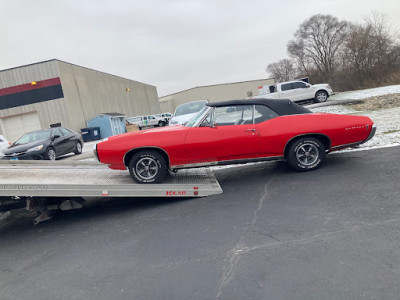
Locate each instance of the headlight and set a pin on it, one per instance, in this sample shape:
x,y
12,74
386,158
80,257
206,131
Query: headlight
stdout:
x,y
37,148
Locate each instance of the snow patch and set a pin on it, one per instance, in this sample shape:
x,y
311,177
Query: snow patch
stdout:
x,y
362,94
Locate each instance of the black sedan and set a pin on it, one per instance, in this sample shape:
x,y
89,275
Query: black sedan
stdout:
x,y
44,144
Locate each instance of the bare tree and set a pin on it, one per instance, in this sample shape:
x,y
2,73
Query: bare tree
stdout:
x,y
282,70
359,53
370,53
304,64
317,43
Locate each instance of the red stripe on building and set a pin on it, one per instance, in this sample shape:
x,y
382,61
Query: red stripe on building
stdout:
x,y
29,86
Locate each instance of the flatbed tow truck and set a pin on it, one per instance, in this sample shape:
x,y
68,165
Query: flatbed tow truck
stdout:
x,y
48,186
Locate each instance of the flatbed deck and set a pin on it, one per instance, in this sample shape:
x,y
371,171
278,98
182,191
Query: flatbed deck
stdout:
x,y
80,179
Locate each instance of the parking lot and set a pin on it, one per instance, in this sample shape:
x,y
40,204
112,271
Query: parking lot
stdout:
x,y
273,234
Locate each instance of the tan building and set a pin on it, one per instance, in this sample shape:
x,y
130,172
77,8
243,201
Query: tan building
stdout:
x,y
214,93
35,96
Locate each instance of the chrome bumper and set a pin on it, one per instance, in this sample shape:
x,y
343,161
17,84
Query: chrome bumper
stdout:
x,y
371,134
95,152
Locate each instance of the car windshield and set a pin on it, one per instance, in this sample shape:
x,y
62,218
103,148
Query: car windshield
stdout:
x,y
189,108
197,117
34,137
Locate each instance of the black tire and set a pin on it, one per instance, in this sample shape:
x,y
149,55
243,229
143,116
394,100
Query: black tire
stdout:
x,y
306,154
321,96
51,154
78,148
148,167
161,124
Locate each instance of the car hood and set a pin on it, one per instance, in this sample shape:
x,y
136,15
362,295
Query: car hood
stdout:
x,y
148,131
22,148
3,146
157,137
181,119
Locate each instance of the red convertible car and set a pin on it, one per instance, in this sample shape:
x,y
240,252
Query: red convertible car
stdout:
x,y
235,131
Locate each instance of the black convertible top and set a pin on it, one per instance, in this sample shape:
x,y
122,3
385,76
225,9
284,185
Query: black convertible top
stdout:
x,y
281,106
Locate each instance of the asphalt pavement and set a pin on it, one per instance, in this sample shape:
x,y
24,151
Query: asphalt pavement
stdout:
x,y
333,233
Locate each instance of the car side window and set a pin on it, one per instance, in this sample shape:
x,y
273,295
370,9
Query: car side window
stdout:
x,y
57,132
299,85
286,86
65,131
233,115
263,113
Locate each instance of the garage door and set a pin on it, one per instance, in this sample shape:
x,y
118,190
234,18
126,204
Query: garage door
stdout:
x,y
16,126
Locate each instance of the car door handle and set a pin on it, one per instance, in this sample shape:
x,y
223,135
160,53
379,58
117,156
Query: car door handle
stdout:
x,y
253,130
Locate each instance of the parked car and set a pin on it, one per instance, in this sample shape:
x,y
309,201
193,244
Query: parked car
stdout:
x,y
236,131
146,121
4,143
164,118
186,111
297,91
45,144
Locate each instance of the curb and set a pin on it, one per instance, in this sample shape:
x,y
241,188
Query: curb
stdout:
x,y
334,102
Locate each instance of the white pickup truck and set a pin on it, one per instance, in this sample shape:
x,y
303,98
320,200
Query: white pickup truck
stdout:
x,y
296,91
146,121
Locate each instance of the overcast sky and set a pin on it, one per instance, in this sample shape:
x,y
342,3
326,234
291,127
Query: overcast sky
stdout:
x,y
171,44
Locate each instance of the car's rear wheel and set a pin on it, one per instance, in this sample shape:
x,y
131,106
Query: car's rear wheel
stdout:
x,y
306,154
78,148
148,167
51,154
321,96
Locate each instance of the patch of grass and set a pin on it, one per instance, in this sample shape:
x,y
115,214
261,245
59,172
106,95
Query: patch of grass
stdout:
x,y
391,131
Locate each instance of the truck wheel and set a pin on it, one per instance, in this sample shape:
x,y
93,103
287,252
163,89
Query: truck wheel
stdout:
x,y
320,96
78,148
161,124
51,154
148,167
306,154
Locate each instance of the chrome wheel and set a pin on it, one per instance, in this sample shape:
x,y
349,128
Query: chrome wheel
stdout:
x,y
146,168
307,154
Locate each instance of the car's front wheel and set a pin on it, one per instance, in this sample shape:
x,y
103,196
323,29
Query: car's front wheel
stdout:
x,y
51,154
78,148
321,96
306,154
161,124
148,167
